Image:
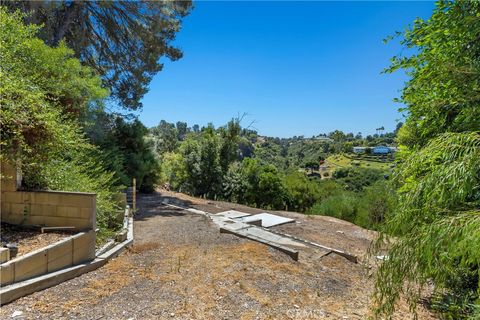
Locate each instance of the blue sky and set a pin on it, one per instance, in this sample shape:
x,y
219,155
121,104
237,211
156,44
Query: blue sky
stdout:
x,y
296,68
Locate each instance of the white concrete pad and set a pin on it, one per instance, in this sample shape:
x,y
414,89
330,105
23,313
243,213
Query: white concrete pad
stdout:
x,y
232,214
231,224
268,220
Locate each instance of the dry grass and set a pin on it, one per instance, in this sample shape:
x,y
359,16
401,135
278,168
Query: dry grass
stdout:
x,y
115,278
210,276
143,247
180,265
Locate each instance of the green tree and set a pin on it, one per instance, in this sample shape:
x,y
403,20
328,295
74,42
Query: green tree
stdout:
x,y
230,137
302,193
437,220
173,171
202,164
165,137
312,165
235,184
182,130
43,93
442,93
338,137
122,40
250,170
128,139
270,191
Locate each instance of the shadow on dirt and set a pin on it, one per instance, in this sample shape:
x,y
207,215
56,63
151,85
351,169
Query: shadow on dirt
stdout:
x,y
153,204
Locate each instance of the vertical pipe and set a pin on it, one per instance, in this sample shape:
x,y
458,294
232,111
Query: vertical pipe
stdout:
x,y
134,196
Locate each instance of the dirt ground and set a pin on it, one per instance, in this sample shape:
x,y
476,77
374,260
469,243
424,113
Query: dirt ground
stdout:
x,y
29,240
182,267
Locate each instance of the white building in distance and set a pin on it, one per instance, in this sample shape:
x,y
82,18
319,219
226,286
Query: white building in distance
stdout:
x,y
375,150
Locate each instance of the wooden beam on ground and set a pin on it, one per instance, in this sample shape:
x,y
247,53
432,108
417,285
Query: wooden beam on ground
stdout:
x,y
45,229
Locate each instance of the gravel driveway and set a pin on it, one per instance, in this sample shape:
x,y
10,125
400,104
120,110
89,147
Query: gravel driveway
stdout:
x,y
181,267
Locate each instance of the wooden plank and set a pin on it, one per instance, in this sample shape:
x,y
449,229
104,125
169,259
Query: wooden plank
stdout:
x,y
57,228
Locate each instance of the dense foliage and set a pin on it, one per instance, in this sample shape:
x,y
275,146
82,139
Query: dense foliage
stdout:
x,y
122,41
237,165
125,149
437,222
43,93
43,90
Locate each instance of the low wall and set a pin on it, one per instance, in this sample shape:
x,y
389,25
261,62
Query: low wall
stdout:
x,y
23,288
49,208
64,253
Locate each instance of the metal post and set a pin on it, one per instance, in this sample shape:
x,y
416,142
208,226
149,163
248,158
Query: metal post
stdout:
x,y
134,196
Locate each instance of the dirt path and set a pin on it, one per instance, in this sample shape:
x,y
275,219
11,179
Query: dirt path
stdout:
x,y
181,267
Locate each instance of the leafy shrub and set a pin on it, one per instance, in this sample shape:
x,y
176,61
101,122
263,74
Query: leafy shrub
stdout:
x,y
234,184
201,159
270,192
436,223
375,204
342,205
356,179
367,208
172,170
44,91
80,173
302,193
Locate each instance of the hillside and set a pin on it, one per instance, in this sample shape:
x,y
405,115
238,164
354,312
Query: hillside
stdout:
x,y
182,267
340,160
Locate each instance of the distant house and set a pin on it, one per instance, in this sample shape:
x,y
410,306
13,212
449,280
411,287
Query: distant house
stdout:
x,y
381,150
324,139
375,150
359,150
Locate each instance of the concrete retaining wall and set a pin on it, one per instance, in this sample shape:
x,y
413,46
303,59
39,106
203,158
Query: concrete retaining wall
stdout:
x,y
49,208
16,290
64,253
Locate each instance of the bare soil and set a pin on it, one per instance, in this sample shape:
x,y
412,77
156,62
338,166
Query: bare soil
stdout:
x,y
182,267
28,240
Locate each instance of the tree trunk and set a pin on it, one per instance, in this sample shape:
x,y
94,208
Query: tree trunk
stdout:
x,y
70,12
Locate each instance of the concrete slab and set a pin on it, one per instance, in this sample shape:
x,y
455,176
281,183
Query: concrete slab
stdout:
x,y
268,220
223,222
274,238
232,214
344,254
245,234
